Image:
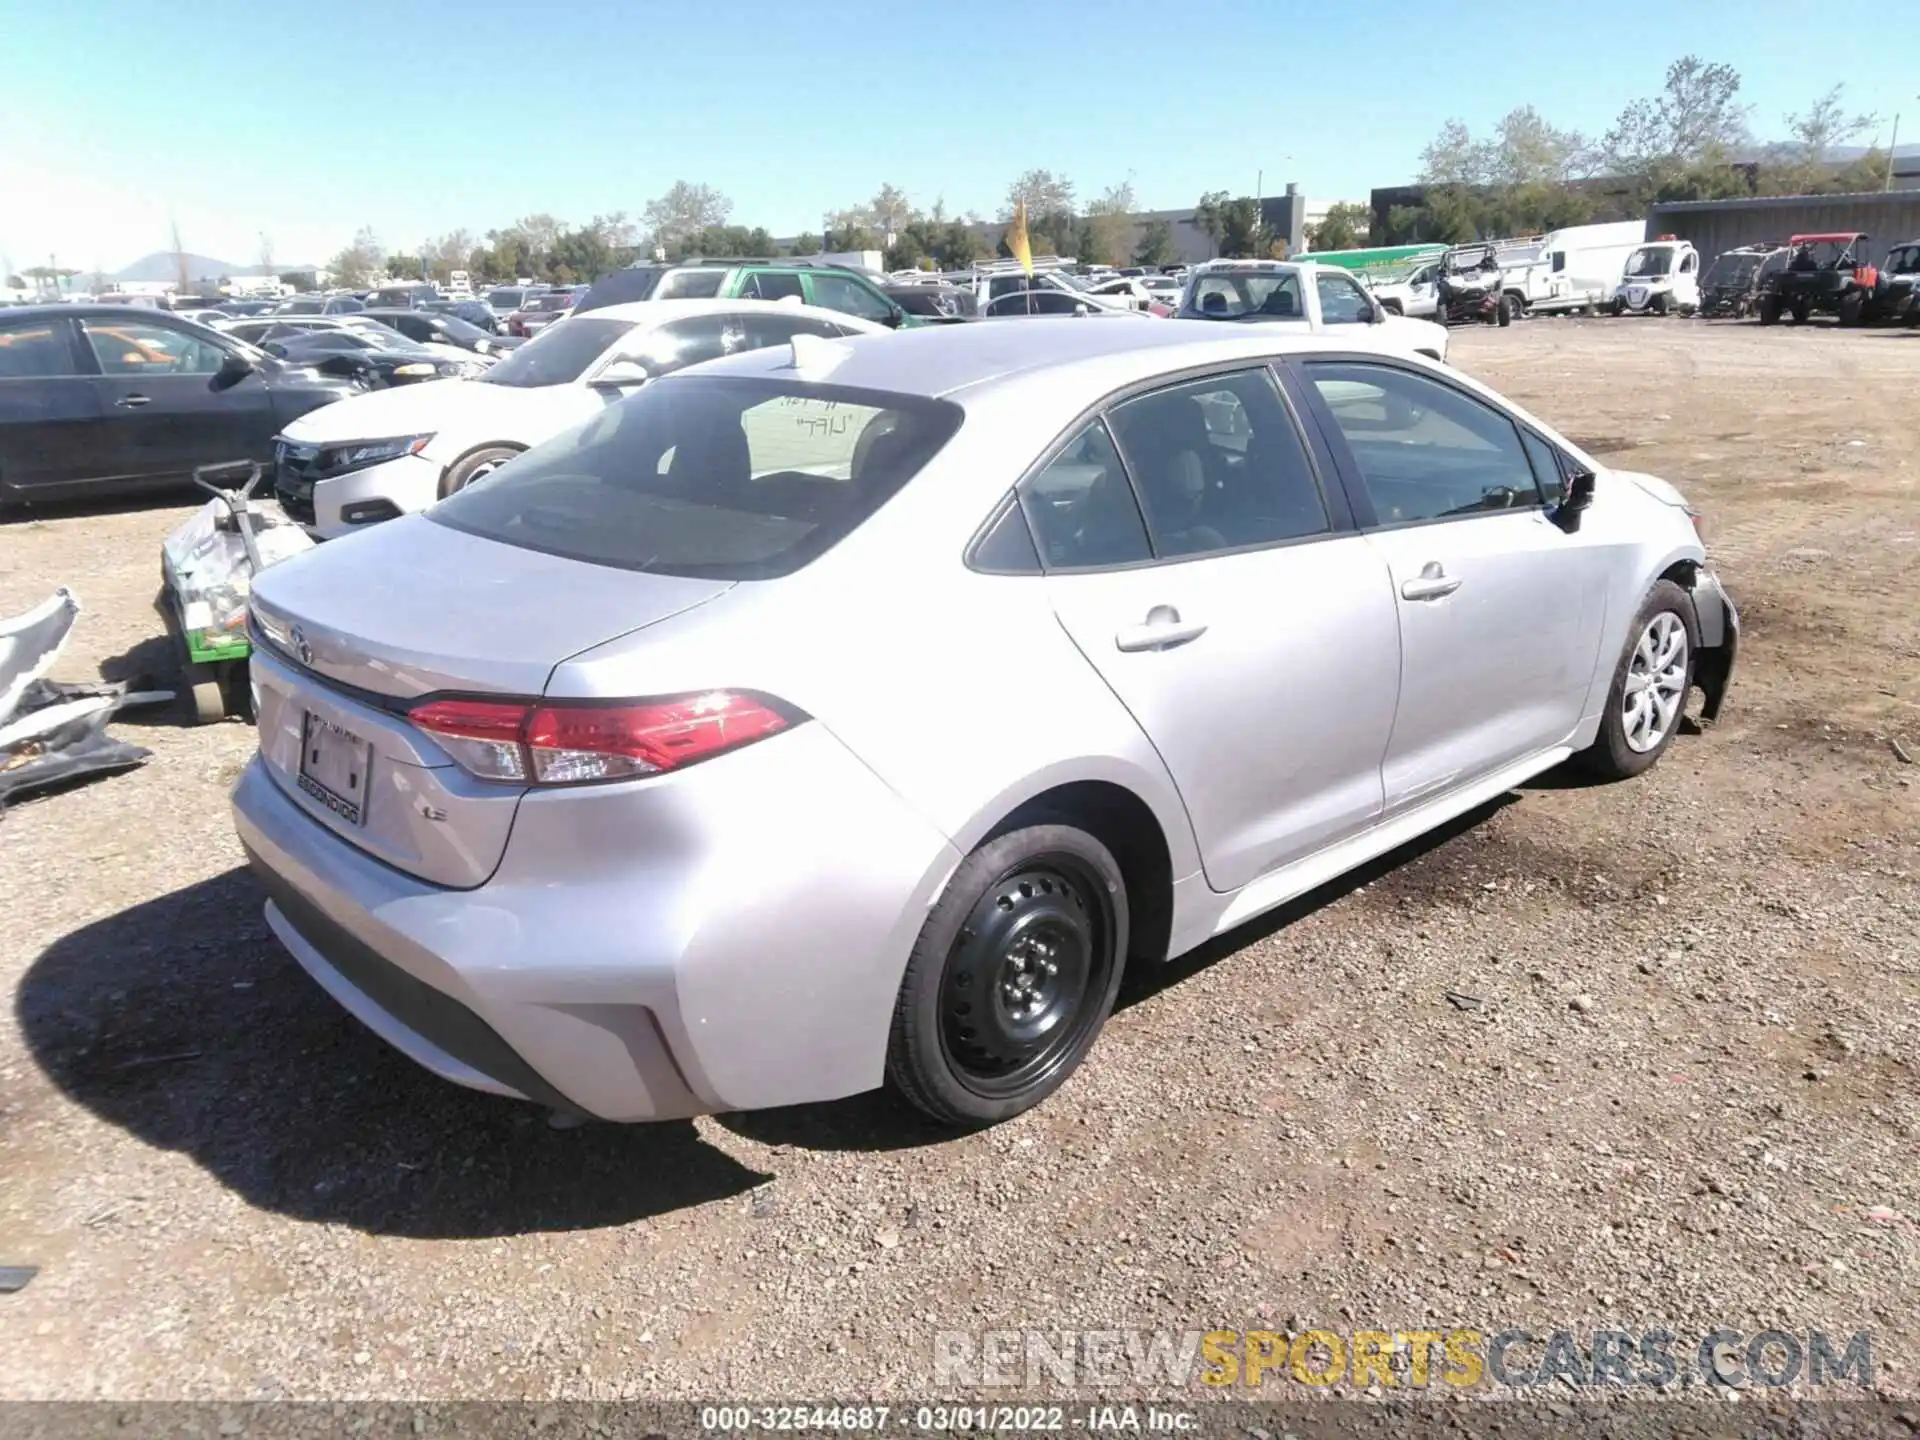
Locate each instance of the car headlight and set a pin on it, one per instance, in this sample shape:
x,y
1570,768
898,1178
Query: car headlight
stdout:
x,y
359,454
417,367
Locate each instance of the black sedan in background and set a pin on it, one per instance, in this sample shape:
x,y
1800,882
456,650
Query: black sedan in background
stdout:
x,y
102,398
430,327
476,313
368,362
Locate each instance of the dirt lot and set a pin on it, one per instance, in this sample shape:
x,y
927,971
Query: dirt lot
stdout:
x,y
1689,1081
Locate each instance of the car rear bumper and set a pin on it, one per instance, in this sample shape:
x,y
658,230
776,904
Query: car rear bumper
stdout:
x,y
728,938
379,492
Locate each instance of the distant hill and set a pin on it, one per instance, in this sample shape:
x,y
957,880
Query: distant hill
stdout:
x,y
162,265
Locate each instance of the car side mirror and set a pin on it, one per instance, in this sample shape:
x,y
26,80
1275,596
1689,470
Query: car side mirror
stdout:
x,y
1377,314
233,369
619,374
896,317
1578,497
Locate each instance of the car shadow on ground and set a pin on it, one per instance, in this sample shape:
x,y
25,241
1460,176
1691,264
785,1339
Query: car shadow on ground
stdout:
x,y
183,1022
15,511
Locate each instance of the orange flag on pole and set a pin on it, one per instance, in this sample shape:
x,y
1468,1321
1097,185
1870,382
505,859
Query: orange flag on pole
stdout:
x,y
1017,237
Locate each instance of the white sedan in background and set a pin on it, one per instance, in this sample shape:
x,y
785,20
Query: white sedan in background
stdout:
x,y
391,452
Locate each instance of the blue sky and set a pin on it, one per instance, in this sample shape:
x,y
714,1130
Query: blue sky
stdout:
x,y
420,116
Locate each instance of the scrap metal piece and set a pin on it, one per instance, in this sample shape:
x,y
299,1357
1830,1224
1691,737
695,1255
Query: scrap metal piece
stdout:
x,y
29,644
16,1277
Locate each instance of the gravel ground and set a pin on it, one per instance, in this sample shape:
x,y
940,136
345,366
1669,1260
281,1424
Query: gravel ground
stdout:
x,y
1679,1088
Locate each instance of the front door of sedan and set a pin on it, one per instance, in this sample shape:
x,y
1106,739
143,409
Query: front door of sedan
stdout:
x,y
169,408
1500,610
1246,627
51,431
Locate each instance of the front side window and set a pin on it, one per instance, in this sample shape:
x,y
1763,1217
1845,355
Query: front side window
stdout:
x,y
844,293
1218,464
1424,450
711,476
1082,509
1341,302
1036,302
134,347
35,351
1546,467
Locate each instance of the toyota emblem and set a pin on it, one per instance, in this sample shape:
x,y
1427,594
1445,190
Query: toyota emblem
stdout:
x,y
300,646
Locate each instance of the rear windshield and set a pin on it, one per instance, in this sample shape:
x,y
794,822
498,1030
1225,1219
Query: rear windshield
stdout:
x,y
617,287
558,355
505,299
721,478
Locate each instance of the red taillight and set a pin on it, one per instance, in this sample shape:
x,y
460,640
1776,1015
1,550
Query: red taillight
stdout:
x,y
566,742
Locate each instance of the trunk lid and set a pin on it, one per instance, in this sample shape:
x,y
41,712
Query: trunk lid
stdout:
x,y
358,628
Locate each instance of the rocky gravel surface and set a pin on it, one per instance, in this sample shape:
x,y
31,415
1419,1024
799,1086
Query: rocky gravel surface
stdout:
x,y
1595,1058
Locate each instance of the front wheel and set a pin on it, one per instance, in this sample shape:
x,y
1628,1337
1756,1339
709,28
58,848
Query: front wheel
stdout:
x,y
1853,308
1769,310
1650,685
1013,975
477,466
1619,307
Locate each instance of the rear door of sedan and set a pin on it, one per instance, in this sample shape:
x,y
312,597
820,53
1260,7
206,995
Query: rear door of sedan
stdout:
x,y
51,431
1206,569
1500,609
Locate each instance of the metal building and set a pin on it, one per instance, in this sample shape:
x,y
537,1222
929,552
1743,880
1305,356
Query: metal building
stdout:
x,y
1889,217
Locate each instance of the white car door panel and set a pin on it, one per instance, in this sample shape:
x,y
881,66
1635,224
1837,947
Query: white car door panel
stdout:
x,y
1255,644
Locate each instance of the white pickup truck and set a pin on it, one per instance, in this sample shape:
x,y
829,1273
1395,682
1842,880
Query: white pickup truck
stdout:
x,y
1319,299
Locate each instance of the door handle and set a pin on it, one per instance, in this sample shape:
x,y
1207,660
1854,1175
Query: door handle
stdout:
x,y
131,402
1432,583
1163,630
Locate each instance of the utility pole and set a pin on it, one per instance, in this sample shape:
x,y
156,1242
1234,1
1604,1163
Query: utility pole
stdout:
x,y
1893,147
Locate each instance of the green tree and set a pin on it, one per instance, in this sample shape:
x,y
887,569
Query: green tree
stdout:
x,y
1341,228
1240,229
357,266
805,244
1156,245
1044,193
1110,226
1804,164
1210,215
684,211
1696,119
299,281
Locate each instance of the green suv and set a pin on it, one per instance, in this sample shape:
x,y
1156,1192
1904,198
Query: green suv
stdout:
x,y
831,287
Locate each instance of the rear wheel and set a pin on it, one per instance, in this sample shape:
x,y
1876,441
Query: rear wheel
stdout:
x,y
1013,975
1801,310
1503,312
206,699
1770,310
477,466
1650,685
1619,306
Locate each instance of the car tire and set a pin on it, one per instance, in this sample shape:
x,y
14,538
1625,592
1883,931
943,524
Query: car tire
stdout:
x,y
1625,746
1769,311
469,468
1619,307
1801,310
1853,308
1013,975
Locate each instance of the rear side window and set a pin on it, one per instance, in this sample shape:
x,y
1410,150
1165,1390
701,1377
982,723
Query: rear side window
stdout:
x,y
733,479
691,285
36,351
770,285
1219,465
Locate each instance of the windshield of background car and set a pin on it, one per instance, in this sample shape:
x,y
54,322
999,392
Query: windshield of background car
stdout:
x,y
1732,269
1644,263
1903,259
384,336
558,355
728,479
556,300
505,299
1256,295
457,329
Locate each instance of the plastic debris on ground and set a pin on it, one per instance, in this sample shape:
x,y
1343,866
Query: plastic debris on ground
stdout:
x,y
52,732
211,574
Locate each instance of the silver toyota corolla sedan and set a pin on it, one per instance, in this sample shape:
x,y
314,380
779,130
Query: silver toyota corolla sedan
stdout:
x,y
859,710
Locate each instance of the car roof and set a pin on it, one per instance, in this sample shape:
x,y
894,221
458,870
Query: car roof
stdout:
x,y
659,312
944,360
88,312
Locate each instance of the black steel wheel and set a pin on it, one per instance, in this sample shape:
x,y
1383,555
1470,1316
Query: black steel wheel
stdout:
x,y
1012,977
